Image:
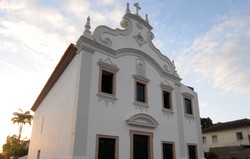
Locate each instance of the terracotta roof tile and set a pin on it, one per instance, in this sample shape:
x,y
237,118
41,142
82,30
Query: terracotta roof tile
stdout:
x,y
61,66
228,125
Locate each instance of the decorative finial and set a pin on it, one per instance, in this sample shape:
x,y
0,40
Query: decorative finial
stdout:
x,y
87,32
146,18
87,25
137,8
127,10
175,72
173,64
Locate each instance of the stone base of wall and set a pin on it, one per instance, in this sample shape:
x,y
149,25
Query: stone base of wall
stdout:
x,y
232,152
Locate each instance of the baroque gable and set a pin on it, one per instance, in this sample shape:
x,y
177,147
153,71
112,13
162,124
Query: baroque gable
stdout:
x,y
135,36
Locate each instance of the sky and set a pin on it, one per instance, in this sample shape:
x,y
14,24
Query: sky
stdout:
x,y
208,40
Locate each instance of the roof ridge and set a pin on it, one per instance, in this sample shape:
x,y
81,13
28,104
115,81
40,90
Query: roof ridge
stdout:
x,y
228,125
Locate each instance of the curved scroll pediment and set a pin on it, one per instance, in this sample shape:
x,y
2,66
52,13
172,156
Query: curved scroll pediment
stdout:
x,y
143,120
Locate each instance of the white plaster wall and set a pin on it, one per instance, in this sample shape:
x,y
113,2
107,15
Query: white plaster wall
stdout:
x,y
69,118
107,119
51,133
226,138
192,126
110,119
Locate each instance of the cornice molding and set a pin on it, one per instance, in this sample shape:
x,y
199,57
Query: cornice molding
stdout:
x,y
138,53
108,65
84,42
92,45
141,78
187,94
166,87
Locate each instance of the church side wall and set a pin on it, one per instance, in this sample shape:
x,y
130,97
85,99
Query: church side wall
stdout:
x,y
52,128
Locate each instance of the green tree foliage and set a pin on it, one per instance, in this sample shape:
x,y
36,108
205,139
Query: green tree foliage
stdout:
x,y
15,147
206,123
21,118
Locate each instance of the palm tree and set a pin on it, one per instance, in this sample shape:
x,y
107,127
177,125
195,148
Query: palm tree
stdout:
x,y
21,119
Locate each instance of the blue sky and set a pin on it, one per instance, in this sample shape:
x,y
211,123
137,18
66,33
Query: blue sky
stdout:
x,y
208,40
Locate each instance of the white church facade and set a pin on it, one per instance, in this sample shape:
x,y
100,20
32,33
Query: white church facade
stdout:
x,y
114,95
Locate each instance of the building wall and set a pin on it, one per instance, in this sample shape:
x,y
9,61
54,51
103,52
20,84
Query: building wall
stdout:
x,y
230,152
109,118
53,120
226,138
73,113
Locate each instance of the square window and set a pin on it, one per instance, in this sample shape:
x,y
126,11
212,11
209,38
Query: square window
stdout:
x,y
168,150
107,147
107,81
204,139
239,136
167,100
192,152
141,145
214,139
140,92
188,106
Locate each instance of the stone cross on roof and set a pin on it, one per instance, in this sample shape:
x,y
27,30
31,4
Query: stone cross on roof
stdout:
x,y
137,8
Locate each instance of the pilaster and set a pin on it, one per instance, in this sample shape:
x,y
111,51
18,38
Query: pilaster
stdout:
x,y
80,128
182,144
198,126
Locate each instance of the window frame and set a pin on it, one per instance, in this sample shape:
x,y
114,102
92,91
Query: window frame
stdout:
x,y
169,104
190,97
116,138
196,150
113,81
173,148
143,80
150,142
239,136
204,139
168,89
214,139
144,93
188,107
103,66
107,79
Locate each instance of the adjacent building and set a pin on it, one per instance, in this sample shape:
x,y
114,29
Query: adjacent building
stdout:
x,y
115,95
228,139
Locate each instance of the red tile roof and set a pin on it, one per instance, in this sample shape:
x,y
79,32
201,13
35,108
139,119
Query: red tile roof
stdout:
x,y
228,125
61,66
